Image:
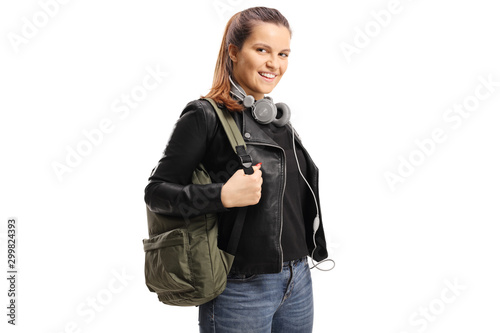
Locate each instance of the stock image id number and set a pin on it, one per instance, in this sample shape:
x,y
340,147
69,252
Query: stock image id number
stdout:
x,y
11,244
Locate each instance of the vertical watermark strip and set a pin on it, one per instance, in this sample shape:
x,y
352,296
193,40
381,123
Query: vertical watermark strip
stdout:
x,y
12,274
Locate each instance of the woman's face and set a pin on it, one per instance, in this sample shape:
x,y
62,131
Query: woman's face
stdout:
x,y
262,60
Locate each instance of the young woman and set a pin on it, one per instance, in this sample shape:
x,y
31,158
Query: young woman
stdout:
x,y
269,287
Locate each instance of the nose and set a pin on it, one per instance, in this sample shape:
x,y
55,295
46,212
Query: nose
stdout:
x,y
272,61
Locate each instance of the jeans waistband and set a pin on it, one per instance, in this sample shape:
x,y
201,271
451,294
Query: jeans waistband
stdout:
x,y
294,261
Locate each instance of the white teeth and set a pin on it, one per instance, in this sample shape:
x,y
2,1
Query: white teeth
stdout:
x,y
268,75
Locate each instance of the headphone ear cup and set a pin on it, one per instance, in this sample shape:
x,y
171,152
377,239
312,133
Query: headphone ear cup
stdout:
x,y
264,111
248,101
285,115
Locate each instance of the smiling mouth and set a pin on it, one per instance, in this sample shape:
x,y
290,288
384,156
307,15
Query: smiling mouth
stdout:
x,y
267,75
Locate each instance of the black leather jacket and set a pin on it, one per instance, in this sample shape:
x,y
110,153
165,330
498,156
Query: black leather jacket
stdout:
x,y
198,136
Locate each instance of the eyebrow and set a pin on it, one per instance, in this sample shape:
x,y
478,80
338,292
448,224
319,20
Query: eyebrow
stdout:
x,y
269,47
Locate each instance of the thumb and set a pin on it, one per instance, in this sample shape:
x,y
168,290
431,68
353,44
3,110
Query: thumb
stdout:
x,y
255,168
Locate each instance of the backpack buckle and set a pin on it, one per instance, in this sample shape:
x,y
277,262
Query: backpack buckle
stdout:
x,y
245,159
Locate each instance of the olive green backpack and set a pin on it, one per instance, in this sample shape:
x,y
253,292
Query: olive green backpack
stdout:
x,y
183,264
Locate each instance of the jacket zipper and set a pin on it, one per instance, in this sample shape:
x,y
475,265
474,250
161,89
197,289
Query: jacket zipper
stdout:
x,y
282,195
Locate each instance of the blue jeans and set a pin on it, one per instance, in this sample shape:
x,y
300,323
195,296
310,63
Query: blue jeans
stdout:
x,y
264,303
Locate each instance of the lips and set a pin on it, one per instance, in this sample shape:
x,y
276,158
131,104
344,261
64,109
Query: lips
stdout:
x,y
268,75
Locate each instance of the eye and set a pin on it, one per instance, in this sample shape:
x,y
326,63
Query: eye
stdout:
x,y
284,55
261,50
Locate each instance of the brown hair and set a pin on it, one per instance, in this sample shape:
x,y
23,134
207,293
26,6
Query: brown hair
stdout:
x,y
238,29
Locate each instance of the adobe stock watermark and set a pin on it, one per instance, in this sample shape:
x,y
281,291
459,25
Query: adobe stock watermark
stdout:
x,y
420,320
380,20
31,26
90,308
452,117
122,107
226,8
201,197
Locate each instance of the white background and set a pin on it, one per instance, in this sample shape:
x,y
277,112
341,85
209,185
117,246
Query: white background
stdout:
x,y
357,115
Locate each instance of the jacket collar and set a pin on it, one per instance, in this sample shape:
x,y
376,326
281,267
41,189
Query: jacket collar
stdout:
x,y
252,131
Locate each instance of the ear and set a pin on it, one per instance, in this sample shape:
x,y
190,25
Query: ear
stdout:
x,y
233,52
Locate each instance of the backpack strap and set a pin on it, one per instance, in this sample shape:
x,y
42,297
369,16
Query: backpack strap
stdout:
x,y
240,148
234,135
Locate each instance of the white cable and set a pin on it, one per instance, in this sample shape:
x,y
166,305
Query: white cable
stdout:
x,y
300,171
316,219
241,92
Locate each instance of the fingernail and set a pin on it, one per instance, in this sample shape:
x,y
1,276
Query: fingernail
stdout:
x,y
259,164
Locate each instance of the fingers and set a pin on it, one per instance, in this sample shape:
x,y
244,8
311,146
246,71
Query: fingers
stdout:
x,y
243,190
257,176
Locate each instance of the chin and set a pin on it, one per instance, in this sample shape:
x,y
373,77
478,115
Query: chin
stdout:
x,y
268,90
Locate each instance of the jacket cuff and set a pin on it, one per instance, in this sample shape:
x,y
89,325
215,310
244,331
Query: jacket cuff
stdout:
x,y
201,199
218,203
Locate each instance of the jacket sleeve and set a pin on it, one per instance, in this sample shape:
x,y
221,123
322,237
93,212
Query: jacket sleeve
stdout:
x,y
170,190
